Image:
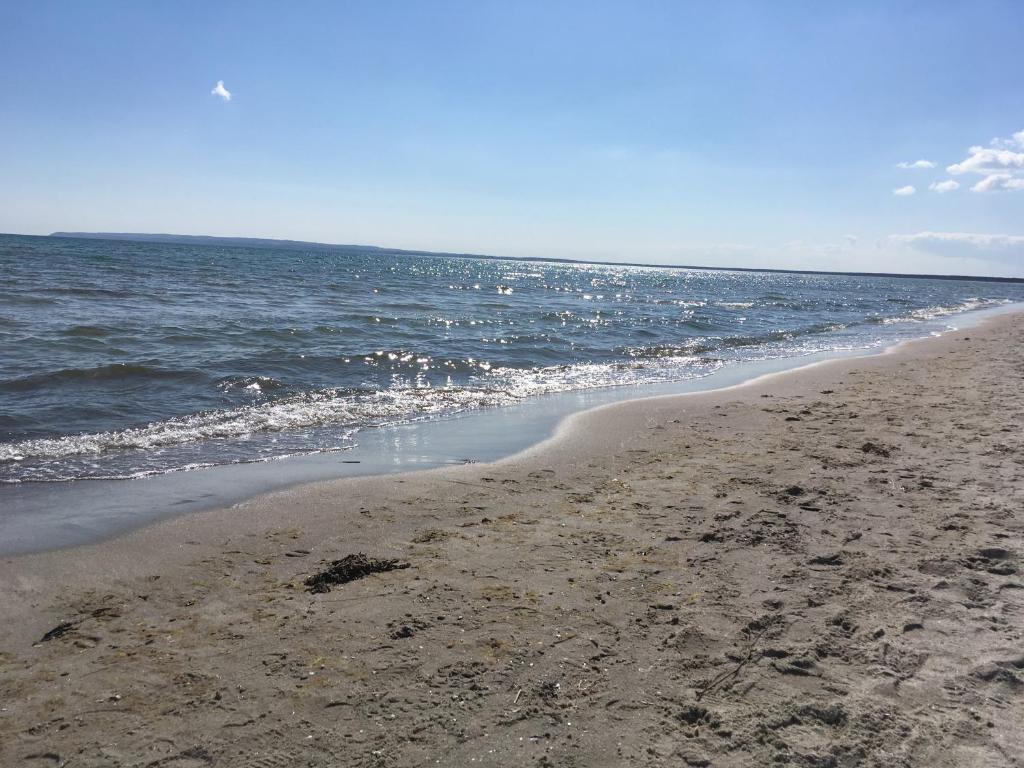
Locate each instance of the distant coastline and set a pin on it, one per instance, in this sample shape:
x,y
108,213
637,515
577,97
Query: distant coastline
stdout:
x,y
302,245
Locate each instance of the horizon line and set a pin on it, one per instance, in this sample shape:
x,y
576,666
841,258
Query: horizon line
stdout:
x,y
267,243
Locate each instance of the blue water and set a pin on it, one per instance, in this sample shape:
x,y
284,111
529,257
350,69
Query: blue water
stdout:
x,y
122,359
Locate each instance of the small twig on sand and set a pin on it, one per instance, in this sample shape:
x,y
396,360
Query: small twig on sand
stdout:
x,y
516,701
350,599
731,674
724,676
485,487
101,669
118,710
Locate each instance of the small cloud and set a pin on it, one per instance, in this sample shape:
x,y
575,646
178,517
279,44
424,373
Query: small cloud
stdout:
x,y
944,186
999,182
916,164
220,90
851,239
906,191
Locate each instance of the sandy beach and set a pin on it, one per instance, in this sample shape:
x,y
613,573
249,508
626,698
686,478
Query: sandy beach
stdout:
x,y
820,568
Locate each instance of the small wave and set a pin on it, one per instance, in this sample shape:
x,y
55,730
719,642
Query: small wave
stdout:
x,y
254,384
705,344
518,383
51,474
732,342
107,293
935,312
930,313
314,409
111,372
684,303
14,298
85,331
658,351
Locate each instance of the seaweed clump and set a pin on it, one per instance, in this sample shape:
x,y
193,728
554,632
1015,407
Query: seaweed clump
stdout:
x,y
350,568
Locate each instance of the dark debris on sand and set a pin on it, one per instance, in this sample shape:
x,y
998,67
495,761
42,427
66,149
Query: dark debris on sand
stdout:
x,y
877,449
59,631
348,569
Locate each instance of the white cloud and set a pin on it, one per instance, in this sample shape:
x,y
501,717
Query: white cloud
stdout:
x,y
999,182
916,164
220,90
904,191
965,244
983,160
944,186
1001,165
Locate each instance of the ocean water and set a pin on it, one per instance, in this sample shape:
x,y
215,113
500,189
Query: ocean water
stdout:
x,y
122,359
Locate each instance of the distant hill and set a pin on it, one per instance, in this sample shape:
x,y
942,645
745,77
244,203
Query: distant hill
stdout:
x,y
302,245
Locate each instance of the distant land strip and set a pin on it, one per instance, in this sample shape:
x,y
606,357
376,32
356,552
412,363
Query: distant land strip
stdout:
x,y
302,245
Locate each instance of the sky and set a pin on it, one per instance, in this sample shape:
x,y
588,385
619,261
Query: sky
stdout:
x,y
859,136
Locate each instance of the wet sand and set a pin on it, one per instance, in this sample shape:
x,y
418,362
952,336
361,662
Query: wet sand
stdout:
x,y
820,568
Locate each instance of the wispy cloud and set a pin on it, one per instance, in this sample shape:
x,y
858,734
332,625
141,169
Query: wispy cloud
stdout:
x,y
999,182
916,164
944,186
906,191
965,244
1014,142
220,90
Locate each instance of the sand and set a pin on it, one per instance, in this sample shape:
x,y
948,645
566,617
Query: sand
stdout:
x,y
820,568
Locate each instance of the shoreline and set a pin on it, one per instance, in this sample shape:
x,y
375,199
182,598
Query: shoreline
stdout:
x,y
847,356
811,567
83,512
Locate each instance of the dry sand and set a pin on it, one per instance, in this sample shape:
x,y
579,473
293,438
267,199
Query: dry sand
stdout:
x,y
817,569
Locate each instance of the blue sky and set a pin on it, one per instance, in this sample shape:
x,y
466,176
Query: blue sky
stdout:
x,y
747,134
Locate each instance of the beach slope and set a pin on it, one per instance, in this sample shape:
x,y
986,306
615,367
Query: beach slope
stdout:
x,y
821,568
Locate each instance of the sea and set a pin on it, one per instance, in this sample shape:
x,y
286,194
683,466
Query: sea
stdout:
x,y
122,359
